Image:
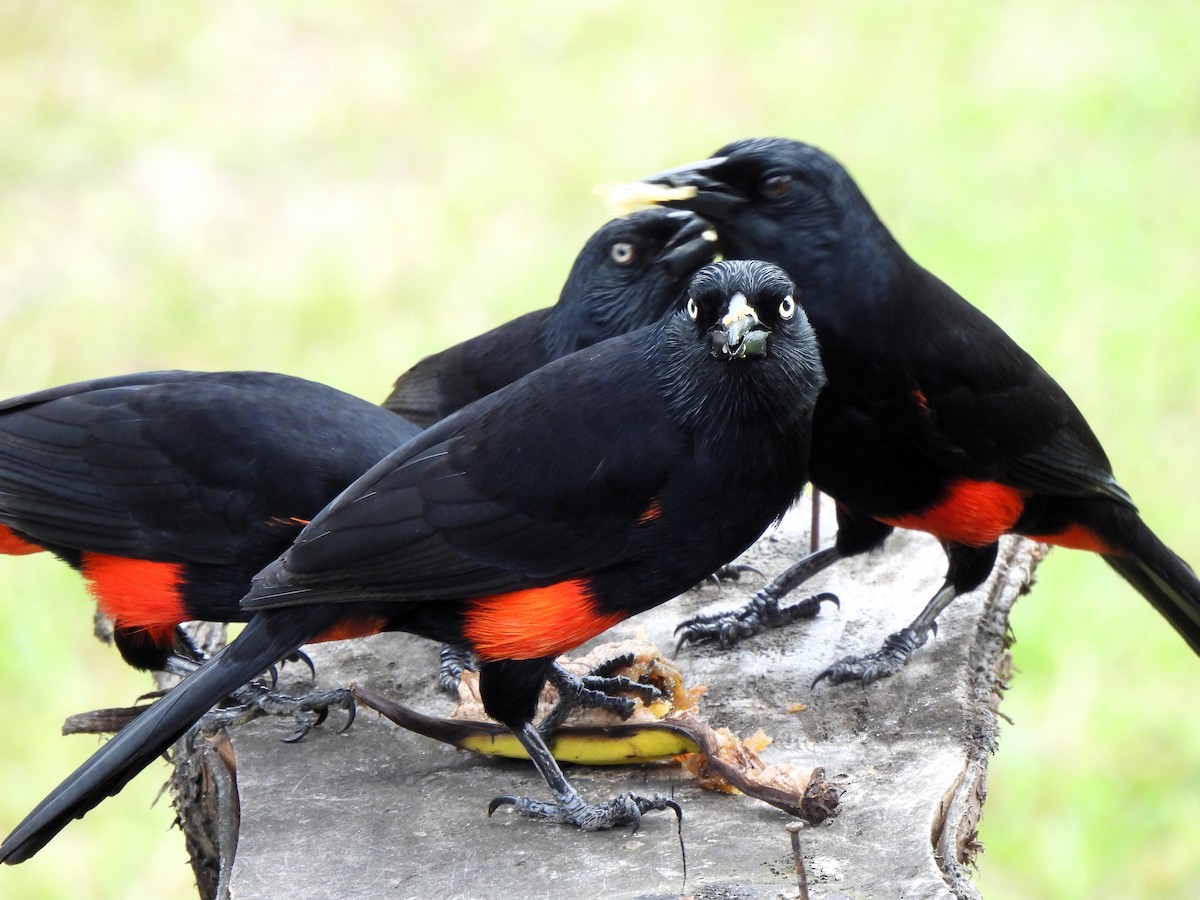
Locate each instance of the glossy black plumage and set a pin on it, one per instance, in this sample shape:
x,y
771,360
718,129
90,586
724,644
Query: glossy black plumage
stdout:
x,y
210,474
629,273
596,487
933,417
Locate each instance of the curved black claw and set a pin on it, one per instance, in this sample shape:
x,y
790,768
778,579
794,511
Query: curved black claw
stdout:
x,y
610,665
309,710
596,690
302,657
729,572
320,703
761,613
453,660
297,656
627,809
871,667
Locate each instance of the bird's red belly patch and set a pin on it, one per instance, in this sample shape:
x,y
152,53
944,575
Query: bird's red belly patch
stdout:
x,y
362,626
11,545
536,622
975,513
1075,537
137,594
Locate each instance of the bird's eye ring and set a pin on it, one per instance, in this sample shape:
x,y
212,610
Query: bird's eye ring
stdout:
x,y
692,309
777,186
622,253
787,308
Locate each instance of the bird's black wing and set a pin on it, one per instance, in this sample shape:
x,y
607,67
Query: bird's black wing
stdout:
x,y
447,381
530,486
176,465
984,408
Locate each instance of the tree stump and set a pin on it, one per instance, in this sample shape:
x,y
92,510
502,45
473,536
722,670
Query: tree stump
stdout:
x,y
378,811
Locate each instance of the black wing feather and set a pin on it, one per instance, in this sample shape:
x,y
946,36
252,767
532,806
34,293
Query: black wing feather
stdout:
x,y
1004,418
174,465
459,512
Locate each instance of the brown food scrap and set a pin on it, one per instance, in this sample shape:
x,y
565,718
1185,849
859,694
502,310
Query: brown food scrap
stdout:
x,y
729,749
732,752
729,765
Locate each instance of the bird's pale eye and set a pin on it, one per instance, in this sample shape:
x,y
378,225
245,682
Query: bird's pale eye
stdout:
x,y
777,186
787,308
622,253
692,309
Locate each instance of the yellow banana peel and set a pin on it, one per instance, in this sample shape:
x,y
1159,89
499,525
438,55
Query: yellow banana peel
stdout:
x,y
800,792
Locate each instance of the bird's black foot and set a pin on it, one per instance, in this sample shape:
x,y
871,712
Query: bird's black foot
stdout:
x,y
626,809
730,572
568,807
453,660
763,612
599,689
883,663
309,710
899,646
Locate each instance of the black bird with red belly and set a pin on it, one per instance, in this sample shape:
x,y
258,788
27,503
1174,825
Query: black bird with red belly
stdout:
x,y
168,491
594,488
933,418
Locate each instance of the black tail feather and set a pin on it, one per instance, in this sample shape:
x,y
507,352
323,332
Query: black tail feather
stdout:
x,y
1162,578
269,637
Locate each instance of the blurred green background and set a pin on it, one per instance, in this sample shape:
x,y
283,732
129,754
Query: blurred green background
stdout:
x,y
335,190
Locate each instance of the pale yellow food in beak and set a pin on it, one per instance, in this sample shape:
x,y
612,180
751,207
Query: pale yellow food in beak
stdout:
x,y
623,198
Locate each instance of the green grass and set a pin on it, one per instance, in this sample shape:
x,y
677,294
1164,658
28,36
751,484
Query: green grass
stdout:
x,y
335,190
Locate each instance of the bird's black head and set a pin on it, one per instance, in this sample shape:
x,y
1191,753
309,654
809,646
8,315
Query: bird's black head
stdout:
x,y
737,306
743,316
629,274
783,201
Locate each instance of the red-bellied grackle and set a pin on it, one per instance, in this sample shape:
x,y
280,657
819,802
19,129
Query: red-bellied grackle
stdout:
x,y
596,487
933,418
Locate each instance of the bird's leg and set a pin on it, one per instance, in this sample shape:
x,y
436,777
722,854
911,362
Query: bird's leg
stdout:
x,y
597,690
897,647
253,700
453,660
968,568
814,522
763,611
568,807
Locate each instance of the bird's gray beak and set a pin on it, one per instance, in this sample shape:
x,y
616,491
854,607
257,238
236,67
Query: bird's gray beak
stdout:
x,y
694,245
739,335
713,198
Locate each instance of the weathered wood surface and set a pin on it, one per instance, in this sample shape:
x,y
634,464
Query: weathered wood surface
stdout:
x,y
379,812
